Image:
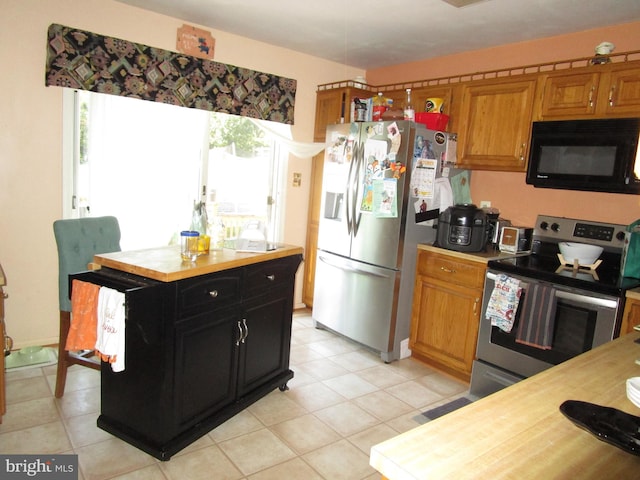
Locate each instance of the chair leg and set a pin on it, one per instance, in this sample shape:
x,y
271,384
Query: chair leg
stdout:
x,y
63,355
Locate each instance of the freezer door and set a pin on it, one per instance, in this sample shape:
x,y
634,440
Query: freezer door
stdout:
x,y
355,300
335,205
377,238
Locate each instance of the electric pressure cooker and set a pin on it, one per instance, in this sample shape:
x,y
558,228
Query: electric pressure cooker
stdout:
x,y
462,228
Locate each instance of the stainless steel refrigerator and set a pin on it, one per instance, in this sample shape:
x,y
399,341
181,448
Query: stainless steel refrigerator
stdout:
x,y
377,204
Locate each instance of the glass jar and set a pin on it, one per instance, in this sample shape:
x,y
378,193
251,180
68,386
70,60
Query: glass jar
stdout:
x,y
189,245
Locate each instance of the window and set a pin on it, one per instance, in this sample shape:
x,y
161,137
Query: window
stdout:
x,y
148,163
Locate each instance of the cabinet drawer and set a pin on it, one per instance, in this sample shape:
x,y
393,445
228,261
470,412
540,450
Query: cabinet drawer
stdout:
x,y
451,269
210,291
271,274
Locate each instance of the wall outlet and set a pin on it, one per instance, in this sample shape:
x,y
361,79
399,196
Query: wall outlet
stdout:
x,y
485,203
404,348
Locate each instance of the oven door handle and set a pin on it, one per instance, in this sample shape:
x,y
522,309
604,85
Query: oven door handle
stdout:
x,y
576,297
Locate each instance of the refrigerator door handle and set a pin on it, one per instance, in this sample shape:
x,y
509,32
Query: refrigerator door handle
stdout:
x,y
351,269
348,188
360,160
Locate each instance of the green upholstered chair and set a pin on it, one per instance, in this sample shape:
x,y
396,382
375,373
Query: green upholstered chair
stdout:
x,y
78,240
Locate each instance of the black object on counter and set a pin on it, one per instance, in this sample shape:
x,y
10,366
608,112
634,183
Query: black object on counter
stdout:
x,y
606,423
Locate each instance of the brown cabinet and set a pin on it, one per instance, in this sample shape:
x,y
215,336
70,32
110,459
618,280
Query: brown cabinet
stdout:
x,y
611,90
494,124
447,300
631,315
334,106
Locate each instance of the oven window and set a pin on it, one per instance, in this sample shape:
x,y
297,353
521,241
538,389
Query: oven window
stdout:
x,y
573,334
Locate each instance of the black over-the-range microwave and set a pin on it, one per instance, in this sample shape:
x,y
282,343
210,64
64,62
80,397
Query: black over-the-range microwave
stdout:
x,y
591,155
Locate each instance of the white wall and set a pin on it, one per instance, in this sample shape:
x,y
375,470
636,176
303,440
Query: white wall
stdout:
x,y
31,139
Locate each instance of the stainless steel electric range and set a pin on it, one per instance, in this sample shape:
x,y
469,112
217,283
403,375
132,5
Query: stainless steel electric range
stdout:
x,y
587,302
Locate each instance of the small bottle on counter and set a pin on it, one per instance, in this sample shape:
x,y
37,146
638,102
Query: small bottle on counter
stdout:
x,y
409,111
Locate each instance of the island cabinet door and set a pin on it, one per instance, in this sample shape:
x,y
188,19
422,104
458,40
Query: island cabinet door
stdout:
x,y
206,364
265,344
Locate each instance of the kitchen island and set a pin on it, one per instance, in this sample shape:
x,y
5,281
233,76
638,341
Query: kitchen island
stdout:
x,y
203,340
519,432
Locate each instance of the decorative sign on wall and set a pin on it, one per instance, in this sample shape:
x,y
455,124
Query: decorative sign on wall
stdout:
x,y
89,61
195,41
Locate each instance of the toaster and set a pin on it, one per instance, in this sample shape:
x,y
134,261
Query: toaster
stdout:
x,y
516,239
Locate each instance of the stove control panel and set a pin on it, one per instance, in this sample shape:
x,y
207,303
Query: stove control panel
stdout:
x,y
562,229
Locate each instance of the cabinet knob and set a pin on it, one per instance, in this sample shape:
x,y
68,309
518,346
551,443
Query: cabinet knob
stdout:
x,y
271,277
213,293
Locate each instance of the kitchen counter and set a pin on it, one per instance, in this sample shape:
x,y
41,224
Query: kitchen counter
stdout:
x,y
164,263
484,256
519,432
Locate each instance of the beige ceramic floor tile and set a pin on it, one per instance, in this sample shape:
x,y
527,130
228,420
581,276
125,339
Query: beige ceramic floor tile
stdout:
x,y
443,384
275,408
315,396
152,472
256,451
415,394
350,385
334,346
340,461
82,430
357,360
41,439
372,436
346,418
29,414
410,368
383,405
303,353
321,369
203,464
241,424
25,389
382,376
304,434
80,402
295,469
110,458
405,422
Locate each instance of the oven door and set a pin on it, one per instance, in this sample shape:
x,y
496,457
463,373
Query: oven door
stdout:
x,y
583,321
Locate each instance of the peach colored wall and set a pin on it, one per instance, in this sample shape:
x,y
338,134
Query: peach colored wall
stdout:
x,y
31,139
516,200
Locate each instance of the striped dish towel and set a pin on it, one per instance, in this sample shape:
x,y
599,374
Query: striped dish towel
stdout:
x,y
537,318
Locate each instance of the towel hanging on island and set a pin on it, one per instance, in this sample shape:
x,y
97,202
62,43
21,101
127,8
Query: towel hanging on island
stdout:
x,y
537,319
503,303
111,328
84,317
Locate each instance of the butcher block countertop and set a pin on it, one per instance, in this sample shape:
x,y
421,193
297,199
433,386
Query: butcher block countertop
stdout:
x,y
482,257
164,263
519,432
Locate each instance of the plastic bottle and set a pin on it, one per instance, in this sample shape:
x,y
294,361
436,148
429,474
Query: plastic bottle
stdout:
x,y
409,112
379,107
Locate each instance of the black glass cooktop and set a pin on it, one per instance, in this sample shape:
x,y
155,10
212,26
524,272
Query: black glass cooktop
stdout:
x,y
546,267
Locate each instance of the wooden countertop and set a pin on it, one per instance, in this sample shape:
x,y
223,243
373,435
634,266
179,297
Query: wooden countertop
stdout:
x,y
164,263
482,257
634,293
519,432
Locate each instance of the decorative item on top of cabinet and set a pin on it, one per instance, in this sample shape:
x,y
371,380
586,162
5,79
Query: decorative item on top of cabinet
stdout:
x,y
606,90
447,300
495,123
631,315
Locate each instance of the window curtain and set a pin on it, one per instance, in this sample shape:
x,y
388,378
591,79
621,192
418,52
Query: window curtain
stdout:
x,y
282,134
88,61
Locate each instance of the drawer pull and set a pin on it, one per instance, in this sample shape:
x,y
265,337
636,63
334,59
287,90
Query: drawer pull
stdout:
x,y
213,293
271,277
448,270
241,334
246,330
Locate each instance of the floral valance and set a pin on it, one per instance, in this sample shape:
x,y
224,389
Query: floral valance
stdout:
x,y
88,61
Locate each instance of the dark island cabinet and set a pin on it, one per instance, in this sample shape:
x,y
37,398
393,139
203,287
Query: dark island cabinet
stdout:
x,y
198,351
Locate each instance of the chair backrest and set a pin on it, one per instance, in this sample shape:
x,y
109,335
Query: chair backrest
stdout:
x,y
78,240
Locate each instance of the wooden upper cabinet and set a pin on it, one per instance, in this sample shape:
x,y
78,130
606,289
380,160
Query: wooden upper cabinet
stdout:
x,y
598,91
494,124
623,91
570,94
334,105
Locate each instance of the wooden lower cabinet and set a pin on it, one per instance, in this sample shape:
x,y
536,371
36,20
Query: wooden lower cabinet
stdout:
x,y
631,315
447,300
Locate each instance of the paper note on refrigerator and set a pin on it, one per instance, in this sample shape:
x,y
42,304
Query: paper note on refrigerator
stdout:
x,y
423,178
385,196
